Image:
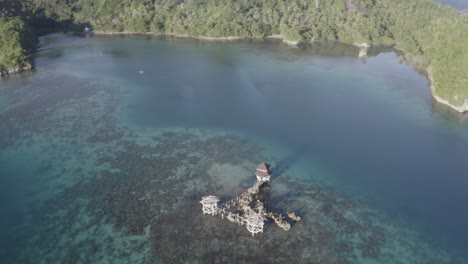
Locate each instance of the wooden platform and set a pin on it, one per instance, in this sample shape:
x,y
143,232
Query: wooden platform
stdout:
x,y
248,209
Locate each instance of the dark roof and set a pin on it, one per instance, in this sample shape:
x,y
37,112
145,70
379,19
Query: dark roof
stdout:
x,y
263,166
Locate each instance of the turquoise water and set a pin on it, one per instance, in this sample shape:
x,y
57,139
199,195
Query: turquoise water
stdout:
x,y
108,145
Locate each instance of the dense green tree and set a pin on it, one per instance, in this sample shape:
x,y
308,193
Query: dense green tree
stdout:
x,y
16,42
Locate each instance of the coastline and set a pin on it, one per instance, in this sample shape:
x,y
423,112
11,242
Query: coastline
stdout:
x,y
363,46
111,33
292,43
229,38
8,72
460,109
432,89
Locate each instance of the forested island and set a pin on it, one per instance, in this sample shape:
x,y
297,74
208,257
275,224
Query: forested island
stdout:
x,y
432,36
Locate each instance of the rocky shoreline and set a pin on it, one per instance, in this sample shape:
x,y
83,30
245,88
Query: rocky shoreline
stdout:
x,y
8,72
229,38
461,108
293,43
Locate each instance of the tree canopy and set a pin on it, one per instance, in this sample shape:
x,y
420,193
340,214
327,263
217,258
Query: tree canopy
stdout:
x,y
16,42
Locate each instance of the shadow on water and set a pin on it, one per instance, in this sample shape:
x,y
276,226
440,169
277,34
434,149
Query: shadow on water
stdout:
x,y
285,164
274,47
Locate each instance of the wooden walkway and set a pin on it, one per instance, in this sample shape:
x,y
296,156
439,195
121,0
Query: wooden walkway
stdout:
x,y
230,203
235,201
246,208
223,209
236,218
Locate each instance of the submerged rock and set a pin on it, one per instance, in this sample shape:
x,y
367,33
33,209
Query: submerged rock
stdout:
x,y
294,217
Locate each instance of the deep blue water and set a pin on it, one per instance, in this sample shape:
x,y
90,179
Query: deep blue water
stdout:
x,y
371,125
457,4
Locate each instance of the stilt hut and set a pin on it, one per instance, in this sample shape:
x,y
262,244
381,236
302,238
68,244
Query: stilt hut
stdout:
x,y
210,204
254,223
263,172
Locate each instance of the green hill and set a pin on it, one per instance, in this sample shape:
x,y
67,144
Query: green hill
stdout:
x,y
16,44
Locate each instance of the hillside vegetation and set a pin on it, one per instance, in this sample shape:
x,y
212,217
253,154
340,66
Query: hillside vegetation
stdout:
x,y
16,42
433,36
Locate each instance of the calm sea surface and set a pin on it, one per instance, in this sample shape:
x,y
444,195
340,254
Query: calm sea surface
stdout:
x,y
457,4
74,131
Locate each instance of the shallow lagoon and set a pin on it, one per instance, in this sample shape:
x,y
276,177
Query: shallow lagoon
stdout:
x,y
102,163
